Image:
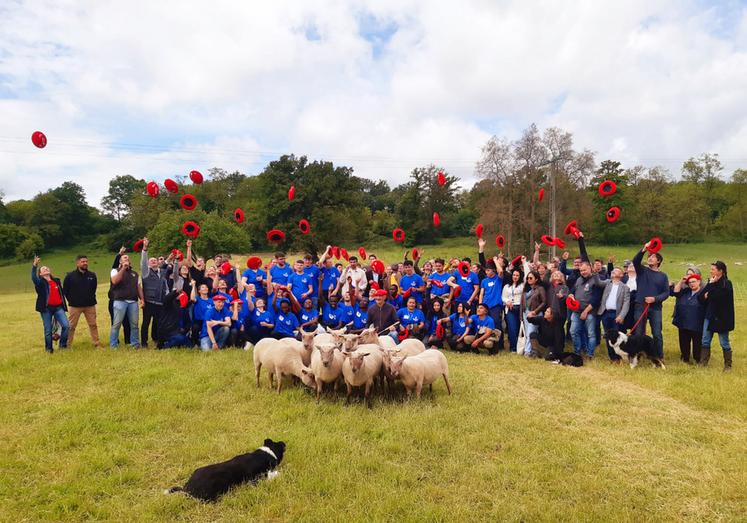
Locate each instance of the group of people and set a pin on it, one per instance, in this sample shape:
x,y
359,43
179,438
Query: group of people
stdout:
x,y
466,306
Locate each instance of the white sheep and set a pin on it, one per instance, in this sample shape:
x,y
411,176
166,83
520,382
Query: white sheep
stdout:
x,y
369,336
282,359
419,370
326,364
360,368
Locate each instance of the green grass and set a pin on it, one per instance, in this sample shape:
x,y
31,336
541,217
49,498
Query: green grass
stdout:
x,y
88,434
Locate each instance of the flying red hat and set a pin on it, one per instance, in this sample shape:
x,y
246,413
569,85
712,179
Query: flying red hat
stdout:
x,y
183,300
225,268
275,236
152,188
380,292
335,252
238,215
516,261
188,202
415,254
500,241
572,228
291,193
375,285
436,219
39,139
303,226
191,229
548,240
138,247
378,267
441,178
398,234
560,243
344,254
176,253
463,269
478,230
170,185
254,263
655,245
196,177
607,188
572,303
613,213
362,253
541,194
219,297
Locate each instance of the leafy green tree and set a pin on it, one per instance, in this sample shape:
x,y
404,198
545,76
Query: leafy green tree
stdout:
x,y
30,246
117,203
217,234
621,231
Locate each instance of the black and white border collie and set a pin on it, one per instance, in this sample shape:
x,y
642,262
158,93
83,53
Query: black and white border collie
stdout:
x,y
212,481
630,347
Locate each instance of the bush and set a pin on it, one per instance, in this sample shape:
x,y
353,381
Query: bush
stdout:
x,y
13,236
217,233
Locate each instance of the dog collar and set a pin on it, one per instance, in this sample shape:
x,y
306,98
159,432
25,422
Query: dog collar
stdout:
x,y
270,452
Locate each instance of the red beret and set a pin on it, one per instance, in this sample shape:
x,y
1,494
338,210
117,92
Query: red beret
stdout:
x,y
188,202
380,292
254,263
219,297
304,226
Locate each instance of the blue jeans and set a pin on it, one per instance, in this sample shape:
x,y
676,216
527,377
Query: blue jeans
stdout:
x,y
394,336
220,334
177,340
513,322
608,320
123,310
578,327
654,318
529,328
723,338
497,314
58,313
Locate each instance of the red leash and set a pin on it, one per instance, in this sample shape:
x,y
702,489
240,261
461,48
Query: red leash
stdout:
x,y
643,315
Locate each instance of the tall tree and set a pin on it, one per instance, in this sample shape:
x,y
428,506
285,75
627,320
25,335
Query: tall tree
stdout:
x,y
118,200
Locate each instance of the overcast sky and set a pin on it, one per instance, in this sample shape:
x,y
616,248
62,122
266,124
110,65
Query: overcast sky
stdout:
x,y
156,89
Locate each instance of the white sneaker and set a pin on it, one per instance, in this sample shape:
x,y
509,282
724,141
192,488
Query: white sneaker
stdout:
x,y
249,345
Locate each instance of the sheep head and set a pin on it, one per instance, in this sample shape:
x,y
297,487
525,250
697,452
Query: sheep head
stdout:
x,y
368,336
356,361
307,338
350,342
307,377
327,353
395,365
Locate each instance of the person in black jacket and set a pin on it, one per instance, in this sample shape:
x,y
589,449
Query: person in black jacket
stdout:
x,y
548,340
718,297
79,287
50,303
171,332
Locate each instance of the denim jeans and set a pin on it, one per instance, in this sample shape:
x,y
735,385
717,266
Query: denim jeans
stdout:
x,y
578,327
723,338
513,321
220,334
529,328
394,336
177,340
608,320
123,310
58,313
497,314
654,318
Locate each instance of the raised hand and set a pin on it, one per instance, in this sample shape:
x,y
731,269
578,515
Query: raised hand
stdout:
x,y
36,260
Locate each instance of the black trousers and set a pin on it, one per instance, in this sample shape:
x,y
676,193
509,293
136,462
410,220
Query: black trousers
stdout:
x,y
151,312
125,324
690,339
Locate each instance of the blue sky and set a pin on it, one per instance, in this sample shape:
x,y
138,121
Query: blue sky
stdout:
x,y
156,90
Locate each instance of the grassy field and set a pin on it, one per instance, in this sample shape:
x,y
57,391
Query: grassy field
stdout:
x,y
88,434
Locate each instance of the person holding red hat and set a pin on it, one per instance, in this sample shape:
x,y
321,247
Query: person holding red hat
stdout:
x,y
172,332
689,315
255,276
469,285
491,294
433,318
411,319
437,283
330,275
313,271
383,316
299,282
217,325
155,281
653,290
412,282
124,292
279,274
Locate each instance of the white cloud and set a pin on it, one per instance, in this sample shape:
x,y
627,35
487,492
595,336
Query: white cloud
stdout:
x,y
230,84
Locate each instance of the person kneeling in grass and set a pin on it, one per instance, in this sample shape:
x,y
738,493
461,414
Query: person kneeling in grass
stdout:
x,y
485,334
217,325
459,327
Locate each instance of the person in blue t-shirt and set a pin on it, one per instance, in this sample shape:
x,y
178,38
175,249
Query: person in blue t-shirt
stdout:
x,y
240,310
394,298
333,316
491,294
360,317
470,286
313,271
433,319
330,279
299,282
411,319
460,327
348,307
482,330
412,284
261,321
279,273
437,281
202,303
216,327
286,323
257,278
309,316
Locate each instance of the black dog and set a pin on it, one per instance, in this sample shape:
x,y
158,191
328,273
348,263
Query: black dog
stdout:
x,y
630,347
210,482
566,358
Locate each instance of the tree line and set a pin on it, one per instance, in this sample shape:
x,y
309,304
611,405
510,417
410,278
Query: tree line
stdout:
x,y
701,204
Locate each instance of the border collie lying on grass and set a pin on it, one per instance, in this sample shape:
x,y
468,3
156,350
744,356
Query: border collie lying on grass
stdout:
x,y
629,348
212,481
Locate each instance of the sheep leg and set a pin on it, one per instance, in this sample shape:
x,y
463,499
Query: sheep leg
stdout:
x,y
280,381
319,386
367,393
270,375
256,370
335,385
418,389
448,386
350,391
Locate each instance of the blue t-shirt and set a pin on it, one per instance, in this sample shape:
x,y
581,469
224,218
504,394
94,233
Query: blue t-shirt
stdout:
x,y
410,319
493,291
214,314
257,277
313,272
467,284
397,302
432,324
477,324
412,282
280,275
329,278
243,311
267,317
202,306
332,317
230,278
348,313
299,285
442,279
285,324
360,318
459,324
306,316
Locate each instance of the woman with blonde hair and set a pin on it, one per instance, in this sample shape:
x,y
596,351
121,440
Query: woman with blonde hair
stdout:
x,y
50,303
